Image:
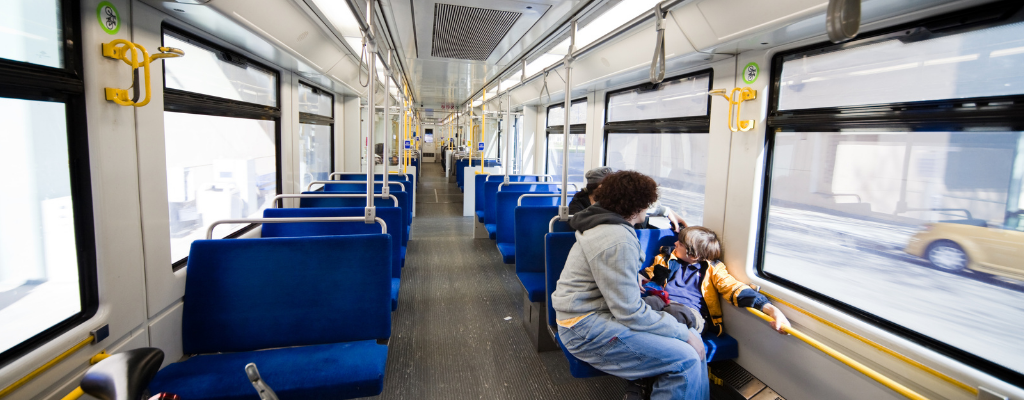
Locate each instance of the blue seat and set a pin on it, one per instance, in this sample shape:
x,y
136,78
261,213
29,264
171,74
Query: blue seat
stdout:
x,y
478,204
293,301
506,219
356,186
461,164
491,200
338,202
557,247
377,177
531,224
392,216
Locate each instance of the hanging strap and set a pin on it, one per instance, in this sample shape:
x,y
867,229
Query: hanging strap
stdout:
x,y
658,61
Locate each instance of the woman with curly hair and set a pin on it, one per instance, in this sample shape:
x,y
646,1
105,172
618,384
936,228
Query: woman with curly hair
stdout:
x,y
601,318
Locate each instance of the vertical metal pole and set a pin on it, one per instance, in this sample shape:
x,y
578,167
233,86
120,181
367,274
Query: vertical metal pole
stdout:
x,y
505,159
385,157
563,209
371,47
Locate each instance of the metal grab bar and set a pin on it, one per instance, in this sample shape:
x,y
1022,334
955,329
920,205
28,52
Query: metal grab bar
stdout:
x,y
94,337
548,178
551,224
891,384
209,231
309,187
330,195
331,176
538,195
535,183
877,346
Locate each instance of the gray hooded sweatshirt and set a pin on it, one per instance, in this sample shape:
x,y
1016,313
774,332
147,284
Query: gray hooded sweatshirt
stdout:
x,y
600,276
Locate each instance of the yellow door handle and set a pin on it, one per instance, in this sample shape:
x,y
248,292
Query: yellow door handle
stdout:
x,y
745,94
128,52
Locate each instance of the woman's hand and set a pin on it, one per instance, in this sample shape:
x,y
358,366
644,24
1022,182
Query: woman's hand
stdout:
x,y
697,344
780,322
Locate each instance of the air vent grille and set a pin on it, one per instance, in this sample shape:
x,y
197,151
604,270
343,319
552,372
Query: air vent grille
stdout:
x,y
469,33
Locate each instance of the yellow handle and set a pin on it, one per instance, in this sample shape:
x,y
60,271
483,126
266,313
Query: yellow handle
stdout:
x,y
128,52
744,95
891,384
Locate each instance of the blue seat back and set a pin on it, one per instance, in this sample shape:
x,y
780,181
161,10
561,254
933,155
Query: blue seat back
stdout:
x,y
356,186
506,212
461,164
392,216
651,240
404,200
556,250
530,227
340,202
491,196
251,294
480,179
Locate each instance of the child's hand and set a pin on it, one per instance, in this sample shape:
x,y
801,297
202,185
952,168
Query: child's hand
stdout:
x,y
780,322
697,344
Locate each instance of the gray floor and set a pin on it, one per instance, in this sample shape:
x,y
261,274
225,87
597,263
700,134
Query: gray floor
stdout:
x,y
457,332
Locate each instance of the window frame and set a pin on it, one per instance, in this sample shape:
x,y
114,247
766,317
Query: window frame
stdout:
x,y
317,119
181,101
574,129
979,114
28,81
670,126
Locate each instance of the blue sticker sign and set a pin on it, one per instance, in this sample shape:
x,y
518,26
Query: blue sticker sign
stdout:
x,y
408,144
480,146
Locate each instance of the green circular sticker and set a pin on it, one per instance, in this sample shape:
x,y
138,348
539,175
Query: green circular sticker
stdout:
x,y
110,19
750,73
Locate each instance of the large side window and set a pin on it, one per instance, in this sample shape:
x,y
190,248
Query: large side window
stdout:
x,y
47,244
662,131
316,134
221,130
556,140
893,185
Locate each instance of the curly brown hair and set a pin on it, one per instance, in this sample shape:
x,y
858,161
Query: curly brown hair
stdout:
x,y
626,193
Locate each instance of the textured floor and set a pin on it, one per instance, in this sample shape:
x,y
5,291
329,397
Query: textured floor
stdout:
x,y
458,333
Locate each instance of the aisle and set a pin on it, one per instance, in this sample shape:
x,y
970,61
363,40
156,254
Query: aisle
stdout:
x,y
457,333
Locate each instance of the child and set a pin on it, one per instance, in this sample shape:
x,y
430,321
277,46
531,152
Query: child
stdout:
x,y
688,280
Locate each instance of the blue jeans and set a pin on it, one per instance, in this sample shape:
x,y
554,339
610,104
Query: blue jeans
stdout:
x,y
613,348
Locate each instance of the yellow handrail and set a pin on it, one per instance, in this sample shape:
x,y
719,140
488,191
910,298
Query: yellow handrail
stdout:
x,y
483,127
877,346
891,384
32,375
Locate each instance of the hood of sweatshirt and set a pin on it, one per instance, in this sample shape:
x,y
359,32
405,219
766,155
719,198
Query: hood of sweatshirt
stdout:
x,y
595,215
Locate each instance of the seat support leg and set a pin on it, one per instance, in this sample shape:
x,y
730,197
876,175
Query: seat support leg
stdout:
x,y
535,320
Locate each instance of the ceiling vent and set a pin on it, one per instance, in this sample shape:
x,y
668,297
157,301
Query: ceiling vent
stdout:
x,y
469,33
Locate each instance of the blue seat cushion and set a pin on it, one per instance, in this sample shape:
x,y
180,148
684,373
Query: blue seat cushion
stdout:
x,y
720,348
480,215
533,282
395,284
328,371
577,368
492,231
508,252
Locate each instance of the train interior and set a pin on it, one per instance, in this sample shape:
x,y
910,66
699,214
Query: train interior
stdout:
x,y
327,199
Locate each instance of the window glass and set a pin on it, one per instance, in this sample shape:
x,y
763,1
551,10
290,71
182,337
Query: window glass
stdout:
x,y
577,114
30,31
217,168
39,280
923,229
686,97
314,153
577,147
218,74
315,101
971,64
677,161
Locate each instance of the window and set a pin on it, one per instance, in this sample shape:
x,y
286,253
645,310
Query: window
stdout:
x,y
316,135
47,247
577,140
662,131
221,128
898,198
